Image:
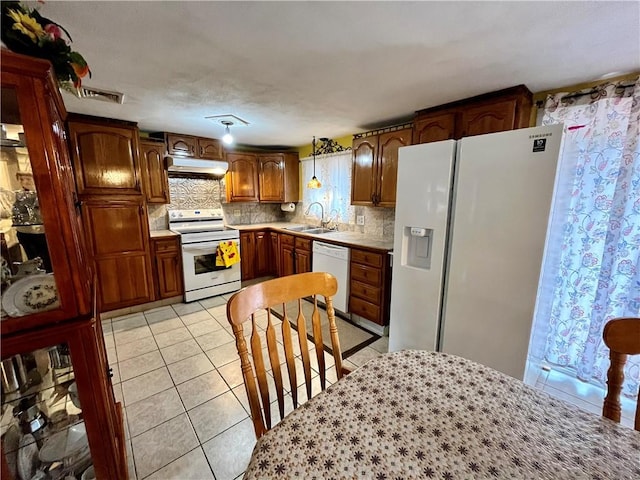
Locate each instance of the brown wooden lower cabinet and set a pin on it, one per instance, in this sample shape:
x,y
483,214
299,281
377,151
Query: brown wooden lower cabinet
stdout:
x,y
117,232
57,361
302,255
275,253
256,252
370,285
295,254
262,262
167,259
287,252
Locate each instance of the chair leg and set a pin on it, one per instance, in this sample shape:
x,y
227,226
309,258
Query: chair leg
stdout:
x,y
615,377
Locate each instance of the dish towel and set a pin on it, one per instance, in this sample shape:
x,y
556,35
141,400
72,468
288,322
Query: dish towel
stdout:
x,y
227,254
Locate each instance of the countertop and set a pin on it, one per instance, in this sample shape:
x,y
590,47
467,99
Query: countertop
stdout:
x,y
352,239
162,233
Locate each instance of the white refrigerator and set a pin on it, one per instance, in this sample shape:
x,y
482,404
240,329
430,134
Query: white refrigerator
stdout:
x,y
470,229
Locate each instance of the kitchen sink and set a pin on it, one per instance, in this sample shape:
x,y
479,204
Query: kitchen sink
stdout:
x,y
309,229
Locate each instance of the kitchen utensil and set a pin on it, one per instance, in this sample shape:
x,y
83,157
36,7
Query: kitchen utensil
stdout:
x,y
66,443
14,374
30,417
59,356
27,457
89,474
31,294
10,445
73,393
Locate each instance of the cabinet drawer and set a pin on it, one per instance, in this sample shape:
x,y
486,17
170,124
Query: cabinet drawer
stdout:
x,y
368,275
367,258
165,245
367,292
287,239
303,244
365,309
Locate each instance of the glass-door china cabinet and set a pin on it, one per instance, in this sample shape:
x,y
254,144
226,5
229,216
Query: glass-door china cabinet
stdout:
x,y
58,415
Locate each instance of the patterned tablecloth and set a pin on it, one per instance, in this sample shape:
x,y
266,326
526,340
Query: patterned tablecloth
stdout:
x,y
421,415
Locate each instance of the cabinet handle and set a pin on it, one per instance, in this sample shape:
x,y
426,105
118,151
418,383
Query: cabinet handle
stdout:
x,y
110,372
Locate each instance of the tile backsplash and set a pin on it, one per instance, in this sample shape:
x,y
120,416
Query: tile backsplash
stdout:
x,y
191,193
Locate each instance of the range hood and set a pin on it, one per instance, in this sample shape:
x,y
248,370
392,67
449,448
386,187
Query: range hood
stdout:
x,y
196,165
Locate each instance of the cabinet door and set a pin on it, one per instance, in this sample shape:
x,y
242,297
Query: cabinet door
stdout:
x,y
69,355
169,274
434,128
242,177
271,178
105,158
287,265
388,145
274,254
363,181
303,261
118,236
181,145
209,148
488,118
38,213
248,255
168,266
155,178
262,248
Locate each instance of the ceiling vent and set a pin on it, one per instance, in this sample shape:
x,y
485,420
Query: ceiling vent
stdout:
x,y
98,94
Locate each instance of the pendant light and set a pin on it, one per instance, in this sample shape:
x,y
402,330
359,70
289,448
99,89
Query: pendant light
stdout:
x,y
227,137
314,182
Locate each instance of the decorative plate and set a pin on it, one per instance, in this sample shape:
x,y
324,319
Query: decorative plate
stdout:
x,y
68,442
31,294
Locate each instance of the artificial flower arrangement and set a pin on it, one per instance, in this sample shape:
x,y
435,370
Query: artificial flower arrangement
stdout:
x,y
25,31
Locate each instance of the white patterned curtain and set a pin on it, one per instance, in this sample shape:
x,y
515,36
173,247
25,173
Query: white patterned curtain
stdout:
x,y
591,271
334,172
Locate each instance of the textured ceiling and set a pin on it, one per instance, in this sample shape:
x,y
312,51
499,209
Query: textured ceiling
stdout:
x,y
298,69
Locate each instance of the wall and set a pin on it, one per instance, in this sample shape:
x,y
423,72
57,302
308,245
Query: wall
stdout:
x,y
346,141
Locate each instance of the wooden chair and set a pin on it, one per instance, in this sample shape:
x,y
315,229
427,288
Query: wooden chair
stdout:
x,y
622,336
242,307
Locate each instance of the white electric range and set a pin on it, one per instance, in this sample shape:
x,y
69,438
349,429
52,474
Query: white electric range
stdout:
x,y
201,231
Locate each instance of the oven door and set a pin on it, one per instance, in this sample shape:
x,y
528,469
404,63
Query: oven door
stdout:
x,y
200,271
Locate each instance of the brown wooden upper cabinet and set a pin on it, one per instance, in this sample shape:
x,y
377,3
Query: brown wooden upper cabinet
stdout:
x,y
263,177
105,155
190,146
155,178
242,177
498,111
375,167
279,177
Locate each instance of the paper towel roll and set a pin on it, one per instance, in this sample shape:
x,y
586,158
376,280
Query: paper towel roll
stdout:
x,y
288,207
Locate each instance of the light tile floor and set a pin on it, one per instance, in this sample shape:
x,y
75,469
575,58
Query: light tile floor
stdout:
x,y
177,373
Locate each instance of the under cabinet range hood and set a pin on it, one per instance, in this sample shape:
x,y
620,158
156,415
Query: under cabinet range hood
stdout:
x,y
196,165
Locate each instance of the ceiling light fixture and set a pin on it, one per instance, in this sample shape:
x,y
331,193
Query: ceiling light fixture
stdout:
x,y
314,182
227,138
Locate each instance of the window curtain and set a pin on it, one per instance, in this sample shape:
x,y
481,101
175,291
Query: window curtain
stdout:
x,y
591,270
334,172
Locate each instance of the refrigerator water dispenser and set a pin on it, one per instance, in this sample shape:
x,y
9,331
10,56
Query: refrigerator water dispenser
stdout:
x,y
417,243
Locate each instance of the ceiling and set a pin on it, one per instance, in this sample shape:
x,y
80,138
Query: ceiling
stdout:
x,y
298,69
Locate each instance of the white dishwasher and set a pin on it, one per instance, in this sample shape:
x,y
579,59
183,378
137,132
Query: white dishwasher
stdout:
x,y
334,260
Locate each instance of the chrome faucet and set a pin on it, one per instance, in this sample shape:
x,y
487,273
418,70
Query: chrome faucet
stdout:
x,y
323,224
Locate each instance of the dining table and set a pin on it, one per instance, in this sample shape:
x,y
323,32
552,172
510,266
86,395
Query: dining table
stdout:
x,y
420,414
